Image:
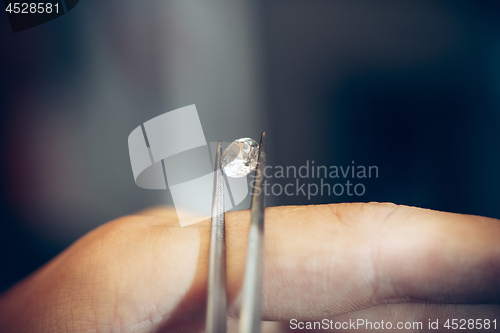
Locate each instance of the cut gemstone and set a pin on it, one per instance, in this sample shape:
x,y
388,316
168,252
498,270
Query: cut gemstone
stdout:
x,y
240,158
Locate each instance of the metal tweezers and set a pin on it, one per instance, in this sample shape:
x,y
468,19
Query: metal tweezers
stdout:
x,y
251,312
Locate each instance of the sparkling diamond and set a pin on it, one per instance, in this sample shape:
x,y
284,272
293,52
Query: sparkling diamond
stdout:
x,y
240,158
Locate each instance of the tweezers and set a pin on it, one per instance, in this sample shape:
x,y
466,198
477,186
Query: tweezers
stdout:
x,y
251,308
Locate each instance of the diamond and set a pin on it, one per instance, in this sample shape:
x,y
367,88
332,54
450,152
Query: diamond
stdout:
x,y
240,158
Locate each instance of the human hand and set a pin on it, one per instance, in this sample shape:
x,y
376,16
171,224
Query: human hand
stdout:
x,y
144,273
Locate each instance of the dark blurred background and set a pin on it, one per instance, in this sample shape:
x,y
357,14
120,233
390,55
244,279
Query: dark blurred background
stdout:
x,y
411,87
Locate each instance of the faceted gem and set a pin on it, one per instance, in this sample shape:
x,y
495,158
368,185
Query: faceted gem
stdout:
x,y
240,158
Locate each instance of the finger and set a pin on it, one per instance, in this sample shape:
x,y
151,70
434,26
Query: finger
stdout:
x,y
319,261
332,259
132,274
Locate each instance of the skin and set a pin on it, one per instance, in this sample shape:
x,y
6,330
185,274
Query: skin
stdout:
x,y
144,273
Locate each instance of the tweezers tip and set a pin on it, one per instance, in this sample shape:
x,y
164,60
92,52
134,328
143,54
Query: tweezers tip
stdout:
x,y
218,157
